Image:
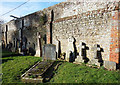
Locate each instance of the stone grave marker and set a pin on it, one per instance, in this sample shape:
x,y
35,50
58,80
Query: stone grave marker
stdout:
x,y
49,52
110,65
69,47
80,57
97,58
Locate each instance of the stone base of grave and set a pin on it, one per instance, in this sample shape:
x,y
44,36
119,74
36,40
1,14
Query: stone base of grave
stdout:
x,y
94,62
31,80
110,65
79,59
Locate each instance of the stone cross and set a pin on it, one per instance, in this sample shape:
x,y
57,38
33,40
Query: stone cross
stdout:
x,y
96,50
80,48
84,49
39,43
57,45
70,47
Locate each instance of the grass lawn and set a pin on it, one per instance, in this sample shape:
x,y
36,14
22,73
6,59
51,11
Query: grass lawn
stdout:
x,y
73,73
13,67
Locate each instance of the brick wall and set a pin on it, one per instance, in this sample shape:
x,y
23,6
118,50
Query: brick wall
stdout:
x,y
115,38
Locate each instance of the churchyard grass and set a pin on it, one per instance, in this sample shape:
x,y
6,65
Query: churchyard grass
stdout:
x,y
14,66
74,73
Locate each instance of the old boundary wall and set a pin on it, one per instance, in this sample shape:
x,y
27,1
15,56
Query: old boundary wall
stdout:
x,y
74,23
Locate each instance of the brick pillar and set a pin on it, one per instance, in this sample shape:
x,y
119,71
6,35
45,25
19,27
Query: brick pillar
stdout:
x,y
49,27
115,38
48,33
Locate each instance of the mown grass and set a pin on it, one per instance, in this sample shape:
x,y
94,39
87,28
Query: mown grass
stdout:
x,y
73,73
13,67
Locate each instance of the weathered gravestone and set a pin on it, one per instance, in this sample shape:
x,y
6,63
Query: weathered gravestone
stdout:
x,y
97,58
70,47
82,57
49,52
110,65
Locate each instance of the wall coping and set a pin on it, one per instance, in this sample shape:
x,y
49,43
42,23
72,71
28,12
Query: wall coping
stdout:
x,y
89,13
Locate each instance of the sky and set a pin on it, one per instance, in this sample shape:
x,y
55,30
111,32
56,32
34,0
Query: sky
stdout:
x,y
28,8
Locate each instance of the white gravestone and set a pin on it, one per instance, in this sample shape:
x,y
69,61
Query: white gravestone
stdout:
x,y
70,47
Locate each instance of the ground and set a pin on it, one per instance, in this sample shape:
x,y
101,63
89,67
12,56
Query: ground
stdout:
x,y
75,73
14,66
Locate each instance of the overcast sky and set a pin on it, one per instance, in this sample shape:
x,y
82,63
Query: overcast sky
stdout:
x,y
30,7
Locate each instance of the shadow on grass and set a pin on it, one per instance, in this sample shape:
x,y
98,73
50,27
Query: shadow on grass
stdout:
x,y
5,60
3,56
7,57
48,75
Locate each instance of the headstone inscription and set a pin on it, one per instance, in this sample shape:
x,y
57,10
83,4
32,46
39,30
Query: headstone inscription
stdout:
x,y
49,52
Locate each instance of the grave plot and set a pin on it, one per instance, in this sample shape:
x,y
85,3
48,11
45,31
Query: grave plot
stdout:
x,y
42,71
37,72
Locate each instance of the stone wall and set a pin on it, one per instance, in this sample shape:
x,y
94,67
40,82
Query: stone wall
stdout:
x,y
33,24
70,24
11,30
75,7
90,28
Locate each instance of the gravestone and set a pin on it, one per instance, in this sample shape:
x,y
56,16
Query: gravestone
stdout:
x,y
39,51
16,44
24,42
82,57
79,57
49,52
97,58
69,47
96,50
3,44
110,65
